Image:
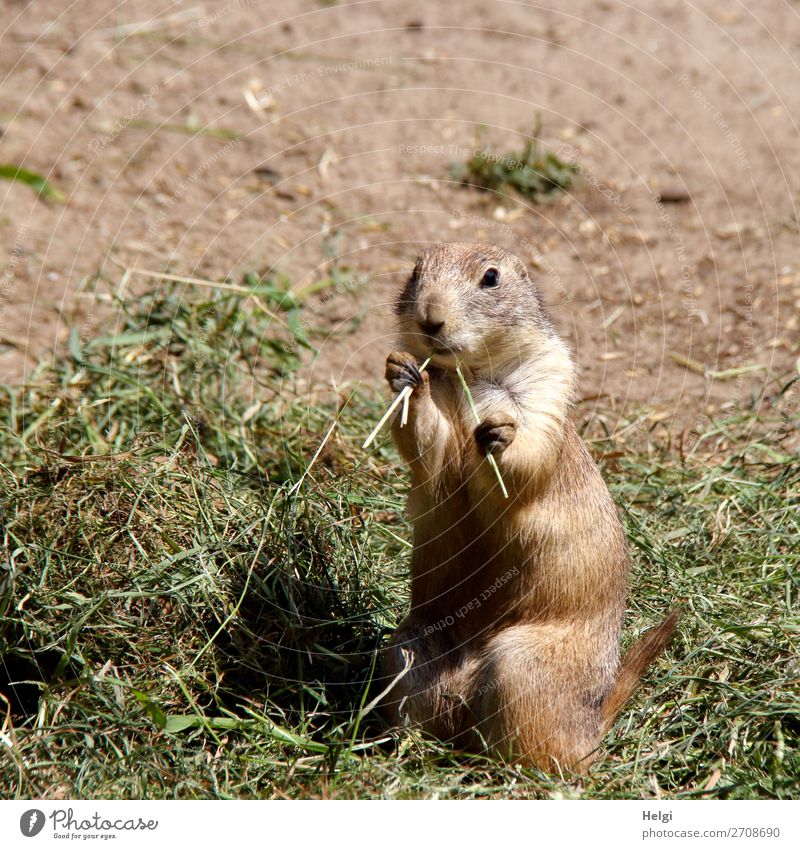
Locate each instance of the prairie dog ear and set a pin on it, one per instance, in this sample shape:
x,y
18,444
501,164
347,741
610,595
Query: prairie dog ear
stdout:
x,y
520,267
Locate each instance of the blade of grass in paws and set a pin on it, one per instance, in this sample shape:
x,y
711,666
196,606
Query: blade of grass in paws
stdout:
x,y
402,398
471,400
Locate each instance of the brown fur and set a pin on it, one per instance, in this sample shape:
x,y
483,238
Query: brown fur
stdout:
x,y
512,641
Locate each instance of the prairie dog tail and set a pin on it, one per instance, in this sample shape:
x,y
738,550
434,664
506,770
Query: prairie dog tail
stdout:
x,y
638,657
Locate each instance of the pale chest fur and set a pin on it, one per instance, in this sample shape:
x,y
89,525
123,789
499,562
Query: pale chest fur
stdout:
x,y
558,500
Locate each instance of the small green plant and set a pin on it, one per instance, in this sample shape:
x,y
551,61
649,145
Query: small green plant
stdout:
x,y
534,173
37,182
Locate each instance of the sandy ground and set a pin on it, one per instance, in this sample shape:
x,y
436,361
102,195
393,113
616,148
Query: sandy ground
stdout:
x,y
219,137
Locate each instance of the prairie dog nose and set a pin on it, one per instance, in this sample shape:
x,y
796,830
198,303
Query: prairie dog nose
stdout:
x,y
431,317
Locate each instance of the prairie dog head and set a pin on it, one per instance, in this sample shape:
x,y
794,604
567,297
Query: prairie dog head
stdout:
x,y
472,304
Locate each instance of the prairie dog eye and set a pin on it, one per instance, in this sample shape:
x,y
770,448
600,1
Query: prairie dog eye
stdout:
x,y
490,279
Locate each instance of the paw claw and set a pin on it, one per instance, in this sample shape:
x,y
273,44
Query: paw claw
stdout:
x,y
493,436
402,371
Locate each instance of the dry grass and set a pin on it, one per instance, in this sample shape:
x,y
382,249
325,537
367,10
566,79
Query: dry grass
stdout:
x,y
186,610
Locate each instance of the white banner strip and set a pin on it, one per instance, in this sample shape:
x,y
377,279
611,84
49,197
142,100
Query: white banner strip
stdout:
x,y
402,825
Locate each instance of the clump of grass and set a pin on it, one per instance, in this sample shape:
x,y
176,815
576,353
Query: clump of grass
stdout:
x,y
189,609
158,557
533,173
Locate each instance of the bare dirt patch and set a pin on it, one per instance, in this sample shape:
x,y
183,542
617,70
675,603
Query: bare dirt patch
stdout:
x,y
214,138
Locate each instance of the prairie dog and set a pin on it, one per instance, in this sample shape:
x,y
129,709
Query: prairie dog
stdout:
x,y
512,641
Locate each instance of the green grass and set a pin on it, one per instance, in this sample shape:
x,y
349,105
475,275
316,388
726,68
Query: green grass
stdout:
x,y
533,173
187,610
39,184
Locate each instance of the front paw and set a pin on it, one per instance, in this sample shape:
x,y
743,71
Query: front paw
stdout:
x,y
495,434
403,372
